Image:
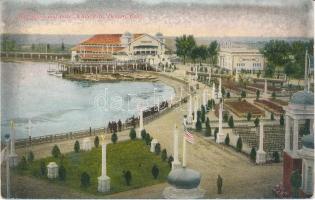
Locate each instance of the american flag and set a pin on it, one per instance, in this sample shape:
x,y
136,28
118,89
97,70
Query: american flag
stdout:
x,y
188,136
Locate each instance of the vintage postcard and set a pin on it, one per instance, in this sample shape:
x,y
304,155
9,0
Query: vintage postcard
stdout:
x,y
157,99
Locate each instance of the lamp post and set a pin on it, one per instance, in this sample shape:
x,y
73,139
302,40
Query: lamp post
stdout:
x,y
7,139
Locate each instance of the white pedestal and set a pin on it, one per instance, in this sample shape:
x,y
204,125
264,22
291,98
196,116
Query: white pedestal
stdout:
x,y
176,165
13,160
139,133
260,157
153,144
220,138
52,170
175,193
103,184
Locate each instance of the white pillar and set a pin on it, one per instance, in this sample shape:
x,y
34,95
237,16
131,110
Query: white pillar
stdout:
x,y
220,135
189,114
13,156
195,110
265,90
295,135
213,91
237,76
184,151
261,154
210,77
287,133
103,180
220,90
175,164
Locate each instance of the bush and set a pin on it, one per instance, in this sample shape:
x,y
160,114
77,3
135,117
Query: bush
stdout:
x,y
239,144
62,173
148,139
114,138
273,95
55,151
227,140
253,154
30,156
85,180
272,116
256,122
23,163
157,149
203,114
249,116
228,95
170,160
96,141
132,134
243,94
155,171
42,168
209,104
225,117
143,134
76,146
127,176
164,154
257,94
281,120
231,122
198,125
276,156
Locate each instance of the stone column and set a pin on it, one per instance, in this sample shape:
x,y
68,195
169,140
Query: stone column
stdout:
x,y
184,151
265,90
261,154
175,164
195,110
295,135
236,76
287,133
141,127
103,180
189,114
13,155
220,89
220,136
213,91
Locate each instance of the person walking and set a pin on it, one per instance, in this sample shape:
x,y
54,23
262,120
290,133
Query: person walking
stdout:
x,y
219,184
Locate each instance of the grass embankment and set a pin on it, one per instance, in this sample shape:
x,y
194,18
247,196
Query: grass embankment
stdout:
x,y
129,155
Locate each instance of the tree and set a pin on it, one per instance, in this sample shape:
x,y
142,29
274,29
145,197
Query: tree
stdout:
x,y
157,149
231,122
114,138
55,151
148,139
249,116
184,46
256,122
48,47
213,52
209,104
85,180
42,168
276,156
225,117
223,91
272,116
281,120
257,94
276,52
76,146
127,176
243,94
203,113
239,144
273,95
198,125
164,154
292,70
296,181
199,52
30,156
228,95
62,173
269,70
62,46
132,134
33,47
227,140
170,160
96,141
155,171
143,134
253,154
23,163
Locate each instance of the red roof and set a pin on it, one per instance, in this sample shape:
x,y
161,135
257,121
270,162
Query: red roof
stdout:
x,y
107,39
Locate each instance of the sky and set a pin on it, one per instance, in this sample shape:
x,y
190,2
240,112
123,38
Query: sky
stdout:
x,y
203,18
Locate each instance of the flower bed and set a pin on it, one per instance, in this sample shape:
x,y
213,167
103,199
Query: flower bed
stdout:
x,y
262,87
241,108
279,101
268,105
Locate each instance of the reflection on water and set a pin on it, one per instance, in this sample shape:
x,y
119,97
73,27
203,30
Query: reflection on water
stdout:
x,y
55,105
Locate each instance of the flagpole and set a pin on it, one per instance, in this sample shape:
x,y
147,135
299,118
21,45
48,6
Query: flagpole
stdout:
x,y
184,151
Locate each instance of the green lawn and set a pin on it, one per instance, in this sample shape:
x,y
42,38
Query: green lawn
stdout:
x,y
129,155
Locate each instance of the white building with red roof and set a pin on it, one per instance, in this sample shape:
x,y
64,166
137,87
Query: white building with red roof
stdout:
x,y
125,46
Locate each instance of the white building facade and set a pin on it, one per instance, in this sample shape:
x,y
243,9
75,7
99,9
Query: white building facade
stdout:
x,y
241,59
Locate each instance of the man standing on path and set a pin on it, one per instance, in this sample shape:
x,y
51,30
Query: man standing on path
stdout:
x,y
219,184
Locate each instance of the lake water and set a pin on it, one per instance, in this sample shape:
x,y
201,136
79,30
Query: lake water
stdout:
x,y
55,105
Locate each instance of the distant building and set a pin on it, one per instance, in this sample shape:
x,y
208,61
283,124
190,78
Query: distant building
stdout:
x,y
241,59
125,46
